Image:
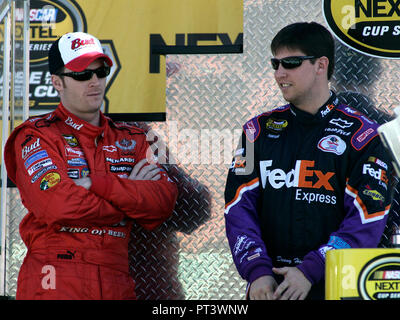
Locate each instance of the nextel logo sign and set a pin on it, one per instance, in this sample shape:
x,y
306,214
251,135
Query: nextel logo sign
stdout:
x,y
189,44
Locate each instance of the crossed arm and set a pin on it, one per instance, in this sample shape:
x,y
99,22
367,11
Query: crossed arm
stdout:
x,y
139,172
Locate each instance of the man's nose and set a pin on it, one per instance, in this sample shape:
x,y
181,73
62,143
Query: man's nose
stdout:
x,y
94,79
280,72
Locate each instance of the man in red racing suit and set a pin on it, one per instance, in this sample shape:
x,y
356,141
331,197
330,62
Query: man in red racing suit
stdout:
x,y
77,236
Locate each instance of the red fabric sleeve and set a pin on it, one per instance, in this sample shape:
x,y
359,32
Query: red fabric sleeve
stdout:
x,y
62,203
148,202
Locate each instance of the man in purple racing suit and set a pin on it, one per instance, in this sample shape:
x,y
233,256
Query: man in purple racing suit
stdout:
x,y
307,177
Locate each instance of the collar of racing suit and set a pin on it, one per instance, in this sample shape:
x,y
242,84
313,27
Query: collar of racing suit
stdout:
x,y
323,111
80,125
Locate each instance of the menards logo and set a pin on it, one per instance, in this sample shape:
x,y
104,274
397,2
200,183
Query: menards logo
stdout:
x,y
369,26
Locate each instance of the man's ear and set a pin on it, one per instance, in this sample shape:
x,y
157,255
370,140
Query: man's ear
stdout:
x,y
322,65
57,82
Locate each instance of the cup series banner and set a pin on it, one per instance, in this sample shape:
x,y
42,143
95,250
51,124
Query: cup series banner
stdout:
x,y
137,35
371,27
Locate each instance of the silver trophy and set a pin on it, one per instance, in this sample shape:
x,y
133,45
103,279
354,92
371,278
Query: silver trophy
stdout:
x,y
390,135
396,238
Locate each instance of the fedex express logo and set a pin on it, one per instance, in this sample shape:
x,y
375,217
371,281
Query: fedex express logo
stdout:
x,y
302,176
379,174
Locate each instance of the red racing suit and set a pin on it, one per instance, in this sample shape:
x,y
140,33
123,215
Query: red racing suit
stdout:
x,y
77,239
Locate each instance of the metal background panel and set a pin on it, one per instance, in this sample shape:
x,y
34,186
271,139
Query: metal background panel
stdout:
x,y
16,249
208,100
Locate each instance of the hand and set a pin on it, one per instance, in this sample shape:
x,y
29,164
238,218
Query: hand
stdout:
x,y
142,172
83,182
262,288
295,286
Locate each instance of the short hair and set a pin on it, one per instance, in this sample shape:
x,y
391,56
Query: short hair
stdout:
x,y
309,37
60,70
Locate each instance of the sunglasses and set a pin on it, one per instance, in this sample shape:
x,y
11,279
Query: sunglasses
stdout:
x,y
87,74
290,62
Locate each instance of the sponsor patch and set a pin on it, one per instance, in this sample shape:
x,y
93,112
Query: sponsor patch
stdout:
x,y
70,122
379,174
314,197
378,162
28,149
238,164
94,231
254,253
327,109
375,195
71,140
77,162
126,145
333,144
73,152
85,172
243,242
110,148
276,125
73,173
120,168
39,165
50,180
42,172
252,130
120,160
365,134
341,123
338,131
302,176
323,250
35,157
69,255
338,243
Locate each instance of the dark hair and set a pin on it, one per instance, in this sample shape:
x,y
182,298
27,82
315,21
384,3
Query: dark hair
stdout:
x,y
60,70
309,37
54,58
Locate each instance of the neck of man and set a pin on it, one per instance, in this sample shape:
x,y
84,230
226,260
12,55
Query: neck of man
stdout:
x,y
92,117
314,100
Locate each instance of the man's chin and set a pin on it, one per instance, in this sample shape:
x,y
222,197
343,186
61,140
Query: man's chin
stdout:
x,y
287,98
95,105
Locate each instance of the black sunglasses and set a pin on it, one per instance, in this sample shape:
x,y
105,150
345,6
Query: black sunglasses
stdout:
x,y
290,62
87,74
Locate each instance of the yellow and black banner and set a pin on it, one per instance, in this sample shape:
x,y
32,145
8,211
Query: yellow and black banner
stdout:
x,y
363,274
370,27
137,35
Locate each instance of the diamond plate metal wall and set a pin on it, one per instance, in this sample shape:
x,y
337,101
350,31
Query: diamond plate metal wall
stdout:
x,y
16,249
212,96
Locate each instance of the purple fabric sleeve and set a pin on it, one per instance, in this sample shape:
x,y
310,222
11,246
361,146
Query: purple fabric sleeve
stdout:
x,y
352,233
313,267
244,236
